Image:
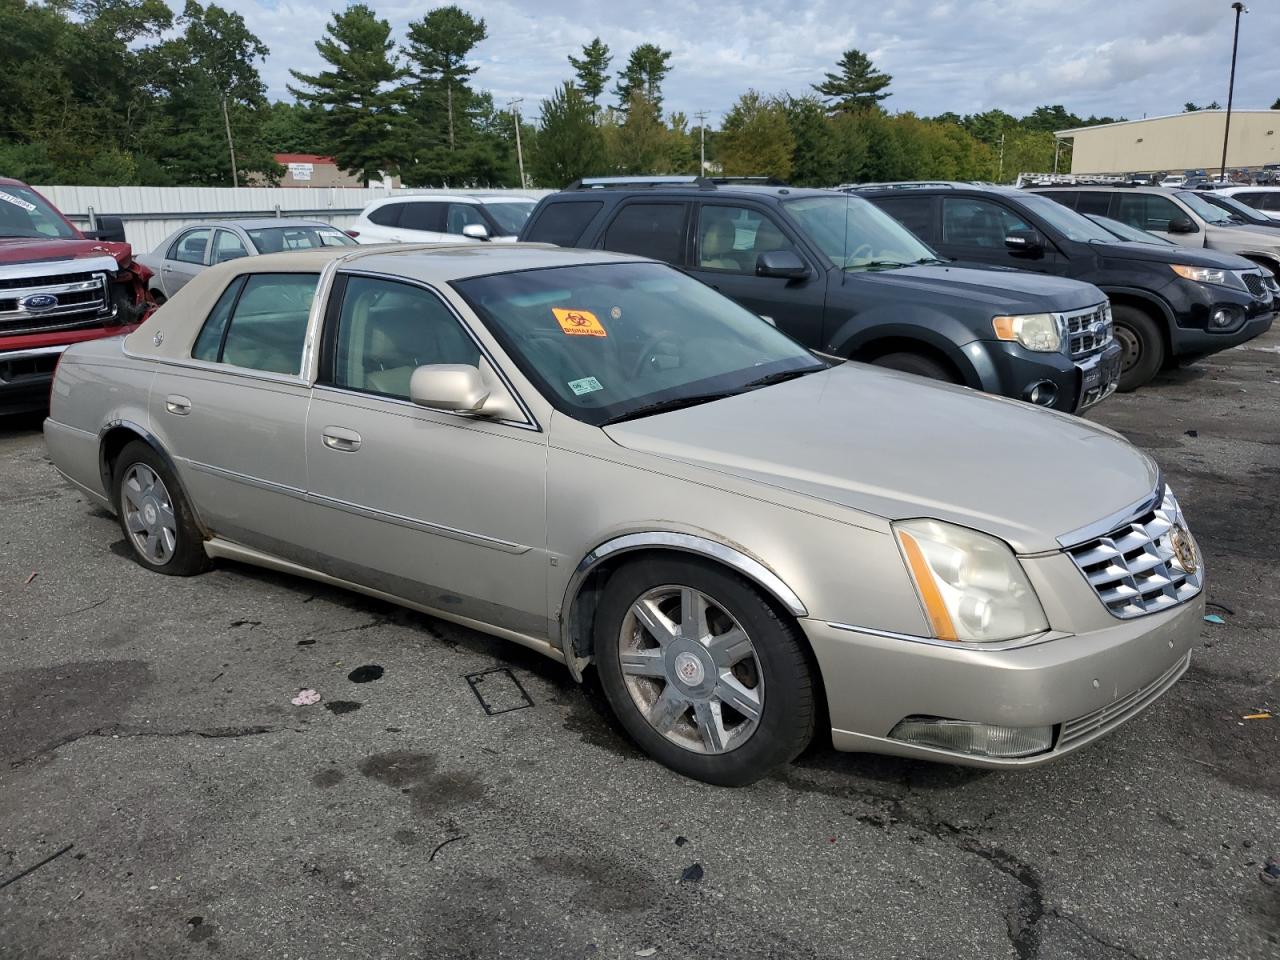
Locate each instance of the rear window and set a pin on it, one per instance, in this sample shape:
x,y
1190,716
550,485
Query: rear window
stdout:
x,y
1093,201
653,230
914,213
387,215
563,223
259,323
423,216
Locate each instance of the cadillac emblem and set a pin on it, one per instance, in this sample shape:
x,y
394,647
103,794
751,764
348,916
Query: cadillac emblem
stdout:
x,y
1184,548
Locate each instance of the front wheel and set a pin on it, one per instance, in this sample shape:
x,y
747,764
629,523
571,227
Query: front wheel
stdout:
x,y
156,519
704,674
1142,347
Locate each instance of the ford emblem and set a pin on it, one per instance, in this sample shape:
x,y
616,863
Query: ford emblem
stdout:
x,y
38,301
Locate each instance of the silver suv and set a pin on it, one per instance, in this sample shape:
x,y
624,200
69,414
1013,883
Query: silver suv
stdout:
x,y
1180,216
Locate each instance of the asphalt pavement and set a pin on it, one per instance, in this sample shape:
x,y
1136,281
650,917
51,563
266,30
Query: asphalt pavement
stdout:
x,y
148,743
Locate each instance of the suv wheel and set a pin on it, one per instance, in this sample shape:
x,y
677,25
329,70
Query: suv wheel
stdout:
x,y
1142,347
703,672
154,515
916,363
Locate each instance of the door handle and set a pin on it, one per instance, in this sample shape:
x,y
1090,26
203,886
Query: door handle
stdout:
x,y
178,406
340,438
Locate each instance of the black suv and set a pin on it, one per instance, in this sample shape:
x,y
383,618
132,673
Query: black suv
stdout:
x,y
848,281
1170,303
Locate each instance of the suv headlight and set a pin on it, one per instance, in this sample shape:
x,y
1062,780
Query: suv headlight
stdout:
x,y
1223,278
971,585
1041,332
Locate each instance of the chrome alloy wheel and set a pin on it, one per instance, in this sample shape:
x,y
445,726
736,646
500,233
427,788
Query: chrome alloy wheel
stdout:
x,y
148,514
691,669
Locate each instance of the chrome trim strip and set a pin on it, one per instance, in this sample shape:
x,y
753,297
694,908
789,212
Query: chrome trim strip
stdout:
x,y
1104,526
22,271
217,547
1017,643
247,373
33,352
370,513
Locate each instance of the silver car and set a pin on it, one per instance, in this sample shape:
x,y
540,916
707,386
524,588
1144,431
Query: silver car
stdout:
x,y
197,246
600,458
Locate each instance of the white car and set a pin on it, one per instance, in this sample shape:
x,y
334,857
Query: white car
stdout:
x,y
428,217
1174,181
1266,200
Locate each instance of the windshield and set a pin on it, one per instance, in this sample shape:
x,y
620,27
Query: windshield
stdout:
x,y
1076,226
24,213
857,235
1206,210
510,215
1126,232
279,239
607,341
1235,208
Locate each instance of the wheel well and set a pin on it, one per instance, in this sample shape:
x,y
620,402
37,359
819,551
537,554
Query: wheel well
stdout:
x,y
580,619
870,352
114,441
1152,311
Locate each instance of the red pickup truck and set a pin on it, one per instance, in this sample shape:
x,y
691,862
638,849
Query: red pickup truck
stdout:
x,y
58,286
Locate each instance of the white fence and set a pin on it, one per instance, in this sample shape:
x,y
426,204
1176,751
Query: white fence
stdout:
x,y
151,213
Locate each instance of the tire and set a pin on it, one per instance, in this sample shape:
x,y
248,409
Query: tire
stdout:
x,y
154,515
916,363
1143,347
722,680
159,297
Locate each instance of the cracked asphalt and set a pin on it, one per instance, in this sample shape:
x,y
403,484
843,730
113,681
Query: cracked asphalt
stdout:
x,y
146,722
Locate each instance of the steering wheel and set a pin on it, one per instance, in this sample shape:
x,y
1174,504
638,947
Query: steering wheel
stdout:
x,y
647,353
858,253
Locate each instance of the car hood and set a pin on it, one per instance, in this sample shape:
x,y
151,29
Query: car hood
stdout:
x,y
1166,253
1245,237
897,447
1000,291
32,250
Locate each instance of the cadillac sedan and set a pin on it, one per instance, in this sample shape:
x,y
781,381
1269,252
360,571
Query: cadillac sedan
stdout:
x,y
602,459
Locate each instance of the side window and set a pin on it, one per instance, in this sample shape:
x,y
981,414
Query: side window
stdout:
x,y
732,238
189,248
563,223
1094,201
1271,202
914,213
208,345
267,323
1146,211
648,230
977,223
387,215
423,216
227,246
463,215
388,329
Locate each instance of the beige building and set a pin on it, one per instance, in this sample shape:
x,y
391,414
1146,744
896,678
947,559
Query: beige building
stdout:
x,y
1185,141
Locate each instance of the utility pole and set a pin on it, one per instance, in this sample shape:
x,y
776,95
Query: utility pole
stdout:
x,y
1239,8
1000,174
515,114
226,119
702,142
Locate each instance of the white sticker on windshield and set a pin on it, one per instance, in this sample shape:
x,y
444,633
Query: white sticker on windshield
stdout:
x,y
585,385
17,201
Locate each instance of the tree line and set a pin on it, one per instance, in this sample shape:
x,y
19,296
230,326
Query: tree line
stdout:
x,y
125,92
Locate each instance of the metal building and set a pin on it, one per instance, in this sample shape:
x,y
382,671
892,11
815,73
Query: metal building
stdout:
x,y
1184,141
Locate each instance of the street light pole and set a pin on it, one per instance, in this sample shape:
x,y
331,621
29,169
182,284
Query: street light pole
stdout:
x,y
1239,8
515,114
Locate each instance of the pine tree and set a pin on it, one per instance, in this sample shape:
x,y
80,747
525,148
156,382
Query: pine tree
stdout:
x,y
592,70
569,144
364,123
646,68
857,86
438,47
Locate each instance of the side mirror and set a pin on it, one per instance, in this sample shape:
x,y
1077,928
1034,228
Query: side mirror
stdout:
x,y
1024,241
476,231
110,229
1182,225
784,264
448,386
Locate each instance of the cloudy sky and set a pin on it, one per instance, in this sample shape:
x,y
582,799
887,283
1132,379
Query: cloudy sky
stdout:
x,y
1107,57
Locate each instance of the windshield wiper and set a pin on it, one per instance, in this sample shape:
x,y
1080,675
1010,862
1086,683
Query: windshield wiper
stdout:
x,y
781,377
672,403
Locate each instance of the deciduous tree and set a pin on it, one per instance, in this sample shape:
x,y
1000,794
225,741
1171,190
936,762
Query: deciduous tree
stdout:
x,y
569,144
756,138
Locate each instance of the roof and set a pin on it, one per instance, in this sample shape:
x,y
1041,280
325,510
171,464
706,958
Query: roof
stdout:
x,y
303,158
1171,116
259,223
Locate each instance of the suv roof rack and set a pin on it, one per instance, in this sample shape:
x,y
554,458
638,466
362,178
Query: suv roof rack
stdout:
x,y
903,185
748,181
604,183
1071,180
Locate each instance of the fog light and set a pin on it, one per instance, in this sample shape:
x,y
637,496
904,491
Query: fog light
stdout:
x,y
1042,393
1222,318
975,739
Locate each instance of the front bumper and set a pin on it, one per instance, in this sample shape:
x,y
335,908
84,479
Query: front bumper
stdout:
x,y
1191,344
1012,370
25,377
1083,685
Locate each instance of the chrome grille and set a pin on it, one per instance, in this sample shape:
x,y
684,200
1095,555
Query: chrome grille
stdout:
x,y
1255,283
1120,710
80,300
1088,331
1134,568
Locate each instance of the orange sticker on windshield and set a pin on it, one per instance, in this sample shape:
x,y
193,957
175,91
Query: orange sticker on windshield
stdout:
x,y
579,323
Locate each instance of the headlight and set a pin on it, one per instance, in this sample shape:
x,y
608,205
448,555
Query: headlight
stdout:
x,y
971,585
1203,274
1035,331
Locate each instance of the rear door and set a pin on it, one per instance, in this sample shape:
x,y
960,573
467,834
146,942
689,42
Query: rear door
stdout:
x,y
728,239
422,221
185,258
